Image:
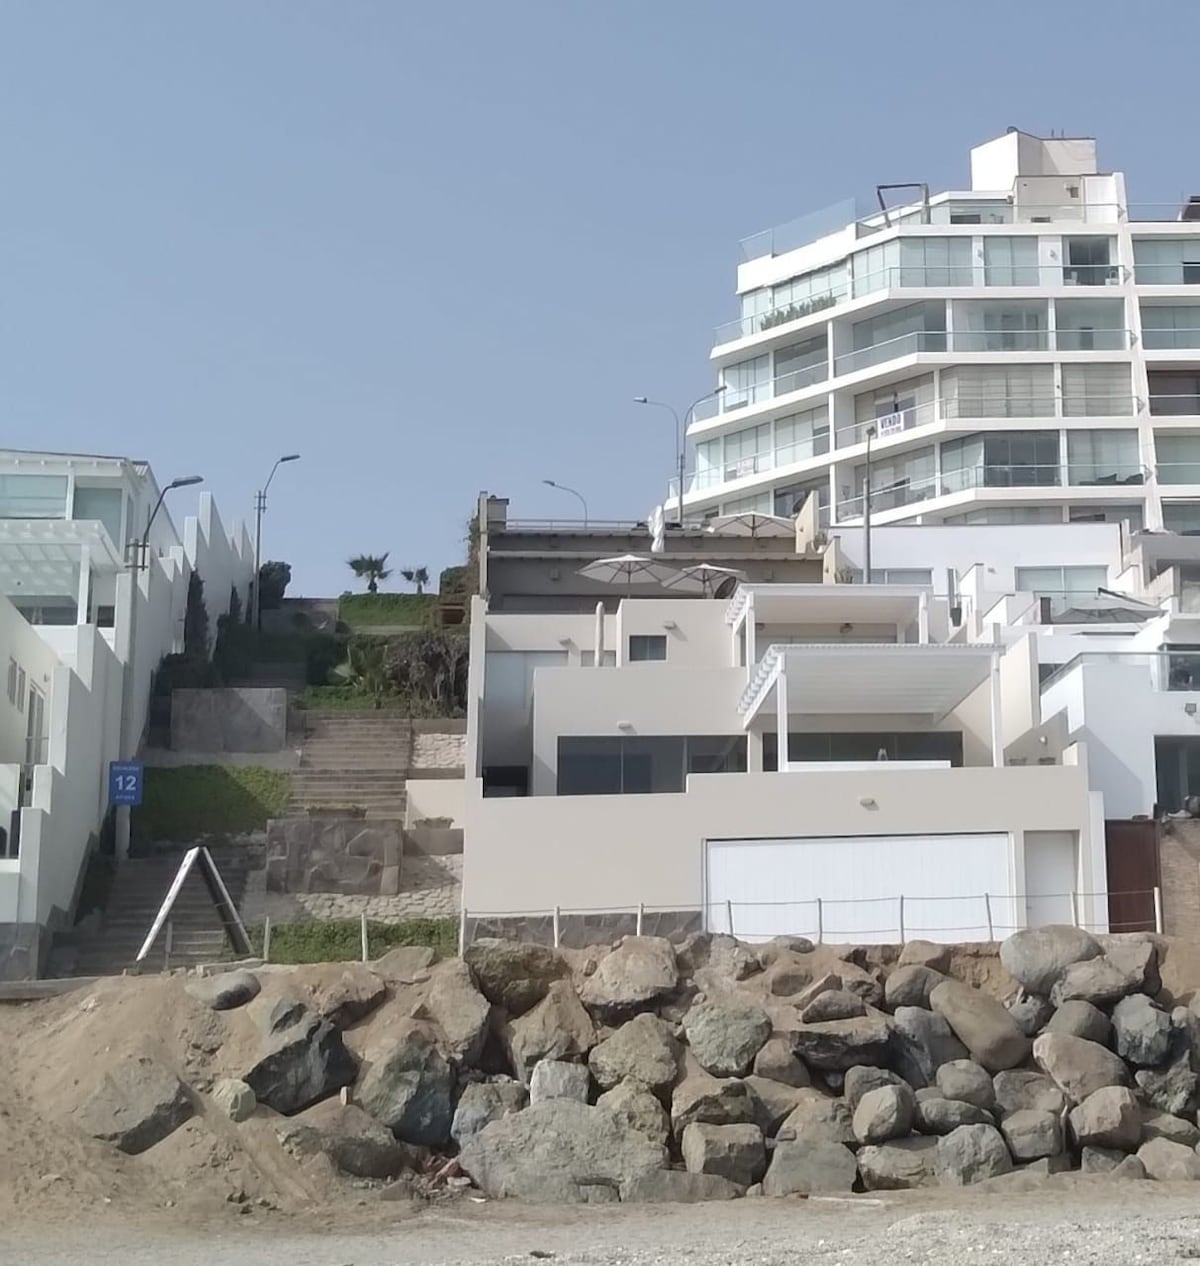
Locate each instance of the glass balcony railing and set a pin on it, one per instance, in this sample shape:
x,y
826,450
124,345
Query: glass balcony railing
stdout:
x,y
1166,340
1001,476
1170,405
1169,670
755,464
1105,474
986,341
1181,274
793,310
979,406
1179,472
892,349
738,397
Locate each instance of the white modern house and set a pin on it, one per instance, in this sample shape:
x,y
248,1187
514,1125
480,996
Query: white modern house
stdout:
x,y
1024,350
86,617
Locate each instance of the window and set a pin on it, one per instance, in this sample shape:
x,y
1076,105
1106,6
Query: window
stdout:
x,y
1006,516
747,452
103,504
801,364
746,382
922,745
801,296
993,326
1001,459
644,647
1010,261
640,765
1174,394
709,465
896,481
914,319
1096,391
12,682
1103,457
998,391
20,689
1178,458
33,496
1131,516
756,503
936,261
1167,261
1085,325
1088,261
789,501
1182,517
801,435
1063,586
1170,327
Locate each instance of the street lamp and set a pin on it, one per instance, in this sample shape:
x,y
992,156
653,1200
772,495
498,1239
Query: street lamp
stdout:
x,y
550,483
260,506
680,431
184,481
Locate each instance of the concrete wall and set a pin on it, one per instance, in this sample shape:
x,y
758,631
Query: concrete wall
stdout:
x,y
346,855
20,642
232,720
434,798
224,559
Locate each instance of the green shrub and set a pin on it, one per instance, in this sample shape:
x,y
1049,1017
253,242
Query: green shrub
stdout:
x,y
453,580
193,800
185,672
340,940
363,609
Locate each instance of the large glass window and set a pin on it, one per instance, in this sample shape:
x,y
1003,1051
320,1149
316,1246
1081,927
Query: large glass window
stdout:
x,y
1002,459
638,764
1101,391
1170,327
789,501
1178,458
898,480
1171,261
876,268
709,463
746,382
1005,516
647,647
1182,517
998,391
33,496
1086,325
993,326
1010,261
1130,515
918,327
1174,394
103,504
801,435
755,503
801,364
801,296
1088,261
859,746
1103,457
1063,586
747,452
936,261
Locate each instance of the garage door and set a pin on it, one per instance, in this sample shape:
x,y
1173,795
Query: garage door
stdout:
x,y
849,888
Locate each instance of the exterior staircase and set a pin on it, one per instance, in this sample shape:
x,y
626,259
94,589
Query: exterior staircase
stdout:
x,y
354,758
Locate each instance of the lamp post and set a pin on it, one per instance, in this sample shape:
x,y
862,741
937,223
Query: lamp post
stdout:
x,y
867,510
680,431
260,506
137,562
552,483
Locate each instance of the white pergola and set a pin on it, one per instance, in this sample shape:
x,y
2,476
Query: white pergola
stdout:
x,y
42,557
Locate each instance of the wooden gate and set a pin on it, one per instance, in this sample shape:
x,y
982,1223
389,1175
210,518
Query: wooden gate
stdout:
x,y
1133,875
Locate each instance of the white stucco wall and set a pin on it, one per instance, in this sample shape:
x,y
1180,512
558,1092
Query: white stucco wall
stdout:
x,y
224,559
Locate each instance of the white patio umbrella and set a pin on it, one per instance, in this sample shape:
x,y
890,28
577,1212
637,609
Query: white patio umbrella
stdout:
x,y
630,570
751,523
1107,609
708,575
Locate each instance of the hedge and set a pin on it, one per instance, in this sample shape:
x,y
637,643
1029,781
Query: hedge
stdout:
x,y
183,803
401,609
340,940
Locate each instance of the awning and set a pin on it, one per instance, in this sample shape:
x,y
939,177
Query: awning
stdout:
x,y
42,556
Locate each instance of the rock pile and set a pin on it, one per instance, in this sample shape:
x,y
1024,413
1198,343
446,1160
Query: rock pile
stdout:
x,y
653,1072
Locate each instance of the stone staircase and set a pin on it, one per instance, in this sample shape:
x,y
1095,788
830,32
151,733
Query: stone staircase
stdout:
x,y
109,946
354,758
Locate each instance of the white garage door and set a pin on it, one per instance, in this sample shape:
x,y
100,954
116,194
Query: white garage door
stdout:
x,y
848,888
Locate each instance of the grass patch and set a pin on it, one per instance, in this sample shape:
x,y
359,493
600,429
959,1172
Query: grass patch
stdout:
x,y
351,698
181,804
340,940
361,610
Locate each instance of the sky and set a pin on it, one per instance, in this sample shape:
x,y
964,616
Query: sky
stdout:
x,y
437,247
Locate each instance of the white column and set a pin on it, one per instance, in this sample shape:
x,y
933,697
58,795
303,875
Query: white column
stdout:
x,y
751,638
923,617
781,716
82,614
997,729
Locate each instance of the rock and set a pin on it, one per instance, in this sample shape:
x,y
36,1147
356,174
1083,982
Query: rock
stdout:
x,y
774,1102
778,1062
1143,1031
1165,1161
966,1080
1081,1019
349,996
1136,955
300,1065
483,1102
1020,1091
941,1116
982,1024
712,1101
639,972
970,1154
910,986
1099,1160
734,1152
1031,1135
800,1168
555,1079
459,1010
224,991
355,1142
863,1079
1185,1025
800,982
1076,1066
632,1103
136,1105
513,974
407,1084
840,1044
284,1013
868,985
1037,957
1098,981
836,1004
1161,1125
729,960
726,1038
1172,1089
1030,1011
404,964
884,1114
234,1098
558,1151
921,1043
676,1186
1130,1167
904,1163
557,1027
769,953
926,954
642,1050
1109,1118
817,1119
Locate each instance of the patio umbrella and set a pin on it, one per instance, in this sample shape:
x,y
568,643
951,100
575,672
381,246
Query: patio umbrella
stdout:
x,y
1107,610
708,576
752,524
630,570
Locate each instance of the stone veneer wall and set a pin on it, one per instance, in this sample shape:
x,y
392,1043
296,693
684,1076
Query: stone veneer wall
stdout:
x,y
1179,869
334,855
439,751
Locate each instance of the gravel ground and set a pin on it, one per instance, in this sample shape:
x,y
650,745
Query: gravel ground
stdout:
x,y
1075,1224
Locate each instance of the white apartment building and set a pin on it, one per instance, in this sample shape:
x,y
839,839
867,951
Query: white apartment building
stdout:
x,y
1026,350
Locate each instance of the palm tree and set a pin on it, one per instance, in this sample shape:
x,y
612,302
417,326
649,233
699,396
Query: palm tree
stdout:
x,y
418,576
372,568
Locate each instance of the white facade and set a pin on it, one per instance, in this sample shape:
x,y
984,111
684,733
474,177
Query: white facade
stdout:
x,y
1023,351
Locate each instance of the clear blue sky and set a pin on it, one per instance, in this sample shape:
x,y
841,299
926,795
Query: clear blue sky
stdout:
x,y
437,246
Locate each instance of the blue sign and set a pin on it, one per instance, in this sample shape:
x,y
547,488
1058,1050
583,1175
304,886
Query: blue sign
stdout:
x,y
124,782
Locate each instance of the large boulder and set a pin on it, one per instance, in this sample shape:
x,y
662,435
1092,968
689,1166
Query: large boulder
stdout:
x,y
972,1153
559,1152
677,1186
355,1142
931,954
484,1102
864,1078
735,1152
459,1010
803,1169
982,1024
136,1105
910,986
817,1119
1032,1135
405,965
224,991
345,993
643,1050
1019,1090
1143,1031
936,1115
1172,1088
1108,1118
840,1044
1165,1161
903,1163
1037,957
1030,1011
632,1103
884,1114
725,1038
787,981
557,1027
1078,1067
966,1080
834,1004
774,1102
234,1098
921,1042
407,1084
301,1064
1098,980
1081,1019
636,975
556,1079
712,1100
779,1062
1135,954
513,974
1161,1125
